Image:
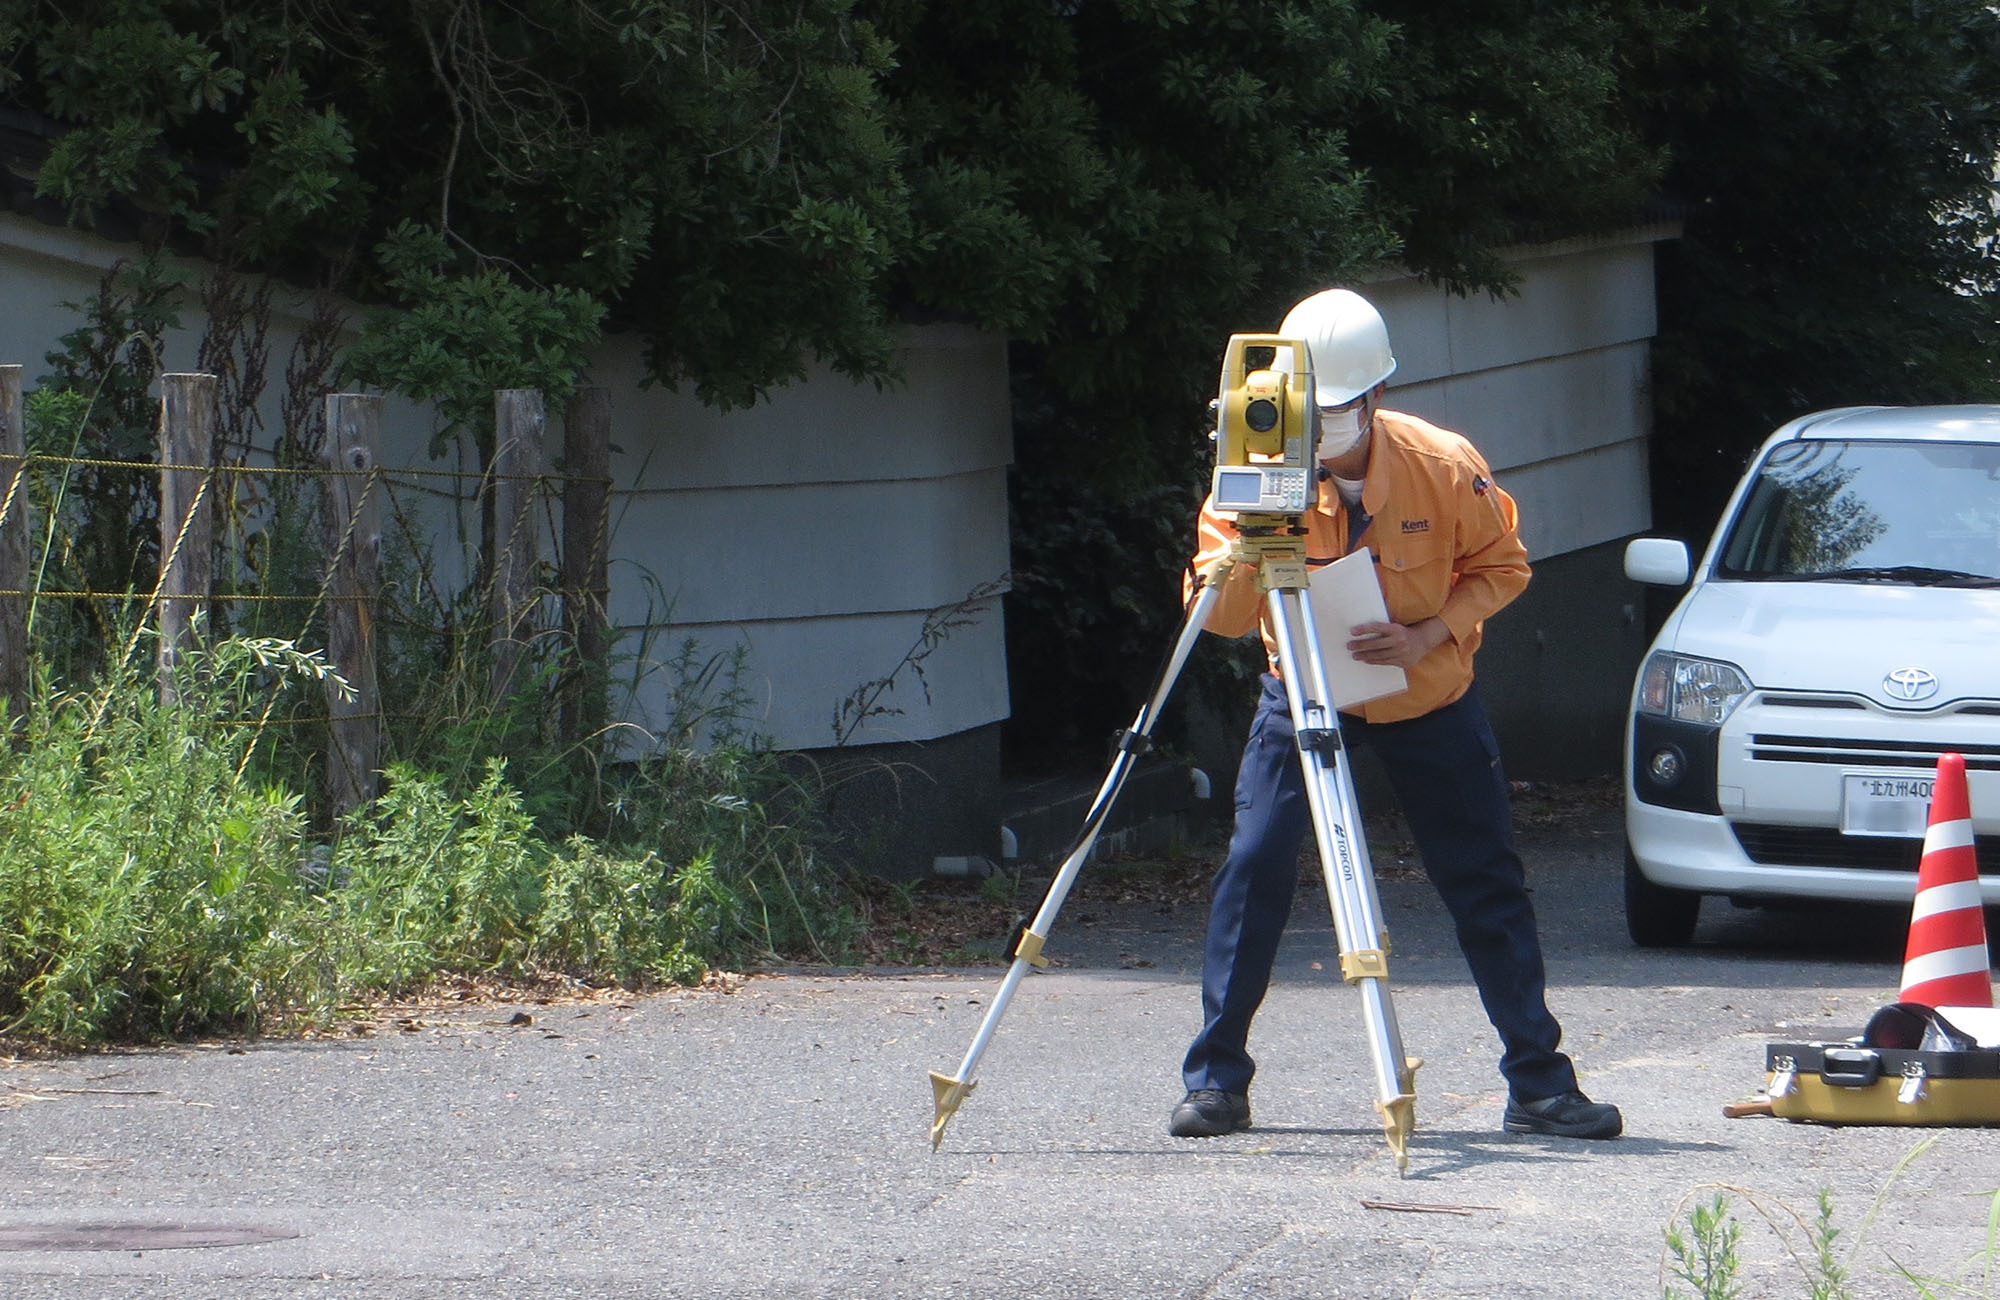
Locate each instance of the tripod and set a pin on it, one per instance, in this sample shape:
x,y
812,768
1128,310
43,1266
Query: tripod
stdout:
x,y
1279,553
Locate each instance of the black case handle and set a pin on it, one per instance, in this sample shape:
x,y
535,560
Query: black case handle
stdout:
x,y
1844,1067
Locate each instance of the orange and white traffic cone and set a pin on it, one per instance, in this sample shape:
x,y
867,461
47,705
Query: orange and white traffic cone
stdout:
x,y
1945,964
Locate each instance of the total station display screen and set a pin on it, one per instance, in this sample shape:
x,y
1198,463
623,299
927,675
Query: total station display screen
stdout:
x,y
1239,489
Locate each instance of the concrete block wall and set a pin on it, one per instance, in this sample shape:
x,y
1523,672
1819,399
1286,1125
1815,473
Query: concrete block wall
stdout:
x,y
819,530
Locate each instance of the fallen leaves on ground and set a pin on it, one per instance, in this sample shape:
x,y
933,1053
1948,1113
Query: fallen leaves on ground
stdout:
x,y
957,921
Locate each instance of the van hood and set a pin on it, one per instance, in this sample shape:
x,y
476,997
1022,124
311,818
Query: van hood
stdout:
x,y
1849,638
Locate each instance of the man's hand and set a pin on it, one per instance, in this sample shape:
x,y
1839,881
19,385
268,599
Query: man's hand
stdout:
x,y
1395,645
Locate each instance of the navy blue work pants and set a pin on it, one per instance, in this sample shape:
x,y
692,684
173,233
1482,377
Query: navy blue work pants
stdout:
x,y
1445,770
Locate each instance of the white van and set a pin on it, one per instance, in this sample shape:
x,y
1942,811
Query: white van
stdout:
x,y
1841,631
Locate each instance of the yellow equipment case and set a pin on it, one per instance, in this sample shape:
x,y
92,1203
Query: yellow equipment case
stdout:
x,y
1847,1083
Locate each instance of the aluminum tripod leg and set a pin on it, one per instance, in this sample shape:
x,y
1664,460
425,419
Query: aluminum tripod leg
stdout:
x,y
950,1090
1343,856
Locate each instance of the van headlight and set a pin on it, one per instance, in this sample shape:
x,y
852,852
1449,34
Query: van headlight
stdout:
x,y
1687,689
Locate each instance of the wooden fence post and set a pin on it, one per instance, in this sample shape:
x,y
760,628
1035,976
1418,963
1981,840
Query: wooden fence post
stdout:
x,y
188,415
14,547
351,537
585,573
518,418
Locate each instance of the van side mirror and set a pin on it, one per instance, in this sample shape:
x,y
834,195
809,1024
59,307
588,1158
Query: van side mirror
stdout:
x,y
1658,561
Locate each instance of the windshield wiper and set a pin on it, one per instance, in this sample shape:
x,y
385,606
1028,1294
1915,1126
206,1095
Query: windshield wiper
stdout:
x,y
1915,574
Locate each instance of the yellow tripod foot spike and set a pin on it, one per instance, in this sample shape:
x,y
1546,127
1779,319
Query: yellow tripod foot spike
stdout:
x,y
1399,1116
948,1092
1399,1119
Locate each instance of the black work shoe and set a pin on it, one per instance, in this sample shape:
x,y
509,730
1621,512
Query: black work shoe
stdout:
x,y
1567,1114
1210,1112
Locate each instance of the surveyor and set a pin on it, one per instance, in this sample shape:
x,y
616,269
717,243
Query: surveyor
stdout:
x,y
1444,539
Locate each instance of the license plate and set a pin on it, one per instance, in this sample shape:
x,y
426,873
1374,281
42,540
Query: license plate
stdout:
x,y
1897,806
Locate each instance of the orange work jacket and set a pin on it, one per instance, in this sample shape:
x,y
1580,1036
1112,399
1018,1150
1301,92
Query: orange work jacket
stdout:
x,y
1445,542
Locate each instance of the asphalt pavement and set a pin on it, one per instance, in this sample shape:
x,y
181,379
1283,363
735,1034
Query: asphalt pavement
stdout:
x,y
774,1140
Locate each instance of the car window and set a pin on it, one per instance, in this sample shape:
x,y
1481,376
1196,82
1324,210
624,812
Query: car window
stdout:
x,y
1917,512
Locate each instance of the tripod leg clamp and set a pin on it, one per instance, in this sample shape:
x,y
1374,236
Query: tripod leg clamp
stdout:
x,y
1364,964
1133,742
1320,738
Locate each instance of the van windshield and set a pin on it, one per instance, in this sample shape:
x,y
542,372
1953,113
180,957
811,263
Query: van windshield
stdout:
x,y
1925,513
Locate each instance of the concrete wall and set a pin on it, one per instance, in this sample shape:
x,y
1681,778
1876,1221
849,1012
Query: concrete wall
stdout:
x,y
819,530
1552,384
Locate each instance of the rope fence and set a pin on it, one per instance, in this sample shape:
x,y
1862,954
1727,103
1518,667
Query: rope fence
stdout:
x,y
495,597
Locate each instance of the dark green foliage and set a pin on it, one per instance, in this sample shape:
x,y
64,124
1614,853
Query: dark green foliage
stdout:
x,y
1838,163
1118,186
1096,580
1216,163
465,331
189,116
754,186
721,179
1509,122
1121,186
1115,184
1107,181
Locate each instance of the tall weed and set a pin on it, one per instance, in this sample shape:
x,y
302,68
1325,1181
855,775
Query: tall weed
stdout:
x,y
428,884
142,876
156,882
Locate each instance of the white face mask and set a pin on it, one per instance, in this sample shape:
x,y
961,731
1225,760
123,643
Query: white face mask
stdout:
x,y
1340,431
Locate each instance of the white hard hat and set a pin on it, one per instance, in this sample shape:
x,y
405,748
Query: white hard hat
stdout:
x,y
1348,342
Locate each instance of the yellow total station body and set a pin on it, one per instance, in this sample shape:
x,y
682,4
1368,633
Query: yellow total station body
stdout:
x,y
1266,432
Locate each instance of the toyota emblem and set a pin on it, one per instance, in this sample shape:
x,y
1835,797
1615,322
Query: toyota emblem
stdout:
x,y
1911,684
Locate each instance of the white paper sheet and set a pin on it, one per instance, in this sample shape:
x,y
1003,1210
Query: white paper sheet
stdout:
x,y
1341,595
1983,1023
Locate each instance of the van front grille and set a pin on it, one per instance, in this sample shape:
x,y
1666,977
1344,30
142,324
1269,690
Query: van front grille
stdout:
x,y
1820,846
1771,701
1848,751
